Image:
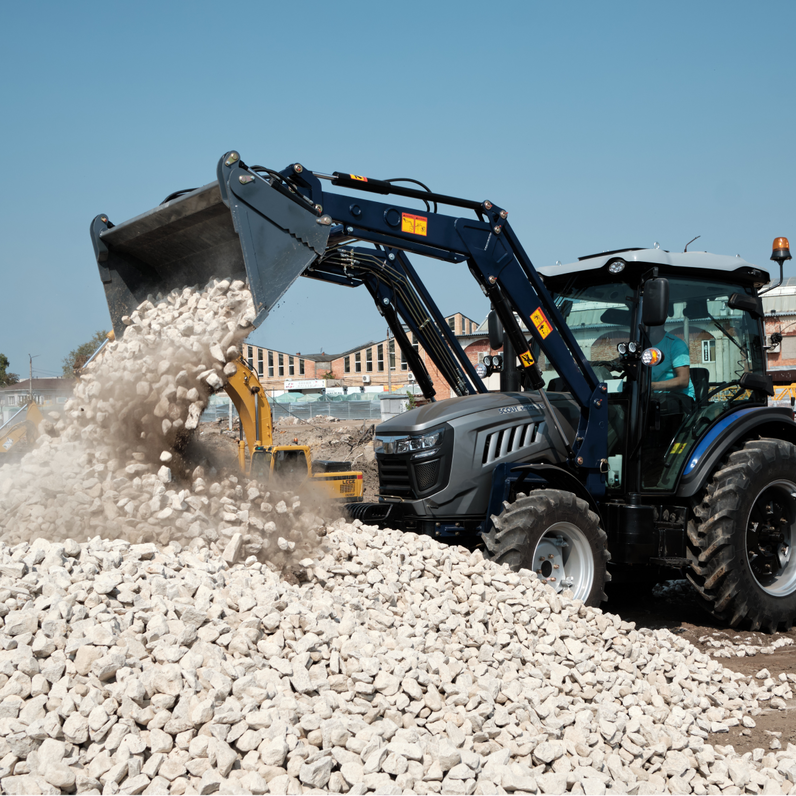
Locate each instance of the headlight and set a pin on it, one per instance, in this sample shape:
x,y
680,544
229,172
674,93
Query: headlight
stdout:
x,y
417,443
652,356
407,444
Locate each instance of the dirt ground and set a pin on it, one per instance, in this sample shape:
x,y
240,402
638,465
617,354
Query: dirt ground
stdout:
x,y
670,605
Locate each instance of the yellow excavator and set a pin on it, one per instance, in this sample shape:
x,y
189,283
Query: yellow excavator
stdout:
x,y
21,428
335,480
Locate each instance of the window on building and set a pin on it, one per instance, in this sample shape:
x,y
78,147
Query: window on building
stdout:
x,y
271,364
708,350
415,344
251,357
788,347
358,362
260,362
291,370
347,365
301,367
369,360
452,324
380,358
392,354
281,365
404,365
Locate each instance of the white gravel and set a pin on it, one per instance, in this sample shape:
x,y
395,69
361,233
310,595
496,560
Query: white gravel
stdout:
x,y
139,654
399,665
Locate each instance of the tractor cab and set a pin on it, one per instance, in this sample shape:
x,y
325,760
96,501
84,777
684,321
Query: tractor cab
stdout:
x,y
670,379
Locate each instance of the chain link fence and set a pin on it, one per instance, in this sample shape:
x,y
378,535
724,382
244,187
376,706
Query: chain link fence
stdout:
x,y
341,410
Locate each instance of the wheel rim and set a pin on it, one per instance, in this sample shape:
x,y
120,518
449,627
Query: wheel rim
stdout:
x,y
563,560
770,534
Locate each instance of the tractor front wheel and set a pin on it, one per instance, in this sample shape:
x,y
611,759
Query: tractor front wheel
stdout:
x,y
556,535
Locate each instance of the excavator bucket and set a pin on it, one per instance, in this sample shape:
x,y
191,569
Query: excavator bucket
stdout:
x,y
238,227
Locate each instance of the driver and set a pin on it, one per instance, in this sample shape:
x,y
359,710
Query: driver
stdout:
x,y
673,372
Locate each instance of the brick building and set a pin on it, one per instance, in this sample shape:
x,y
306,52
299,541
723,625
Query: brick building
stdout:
x,y
376,366
780,311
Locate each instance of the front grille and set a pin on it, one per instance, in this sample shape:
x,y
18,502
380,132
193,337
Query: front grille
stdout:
x,y
508,440
426,474
394,477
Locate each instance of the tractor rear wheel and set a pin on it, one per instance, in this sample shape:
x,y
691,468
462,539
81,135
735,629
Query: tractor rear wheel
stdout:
x,y
556,535
741,540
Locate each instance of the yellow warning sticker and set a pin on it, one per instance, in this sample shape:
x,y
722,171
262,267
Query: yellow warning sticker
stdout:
x,y
541,323
361,179
678,447
417,225
526,359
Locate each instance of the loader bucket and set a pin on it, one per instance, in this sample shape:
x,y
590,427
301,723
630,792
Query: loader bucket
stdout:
x,y
238,227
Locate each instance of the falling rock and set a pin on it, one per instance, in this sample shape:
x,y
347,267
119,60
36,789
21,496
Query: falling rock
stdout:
x,y
232,550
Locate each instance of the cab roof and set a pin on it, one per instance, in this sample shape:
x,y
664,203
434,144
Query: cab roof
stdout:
x,y
694,261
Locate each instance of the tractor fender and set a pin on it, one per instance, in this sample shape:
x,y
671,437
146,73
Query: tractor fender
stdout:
x,y
509,477
729,432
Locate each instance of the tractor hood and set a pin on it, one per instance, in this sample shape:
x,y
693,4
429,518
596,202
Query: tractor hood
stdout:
x,y
503,405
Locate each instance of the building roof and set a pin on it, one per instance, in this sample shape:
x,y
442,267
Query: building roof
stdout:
x,y
781,300
329,357
56,385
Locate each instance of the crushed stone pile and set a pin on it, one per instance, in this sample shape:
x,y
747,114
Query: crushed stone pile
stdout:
x,y
112,464
399,665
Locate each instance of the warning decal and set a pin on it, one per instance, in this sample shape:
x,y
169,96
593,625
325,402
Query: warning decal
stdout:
x,y
361,179
678,447
526,359
541,323
417,225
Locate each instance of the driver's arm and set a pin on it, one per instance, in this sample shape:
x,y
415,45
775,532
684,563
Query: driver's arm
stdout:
x,y
680,381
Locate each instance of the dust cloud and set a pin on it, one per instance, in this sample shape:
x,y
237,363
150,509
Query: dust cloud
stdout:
x,y
117,463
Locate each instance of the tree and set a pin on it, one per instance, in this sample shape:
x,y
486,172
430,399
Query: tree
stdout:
x,y
6,378
77,358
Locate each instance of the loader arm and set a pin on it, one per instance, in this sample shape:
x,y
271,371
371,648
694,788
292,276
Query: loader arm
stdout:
x,y
271,227
401,298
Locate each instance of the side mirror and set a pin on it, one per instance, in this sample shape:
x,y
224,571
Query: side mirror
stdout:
x,y
495,328
655,309
751,304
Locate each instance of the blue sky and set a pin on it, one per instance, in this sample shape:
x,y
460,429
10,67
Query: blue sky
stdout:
x,y
598,125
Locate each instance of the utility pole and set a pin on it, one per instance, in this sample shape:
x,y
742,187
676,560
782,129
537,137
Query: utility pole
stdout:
x,y
30,381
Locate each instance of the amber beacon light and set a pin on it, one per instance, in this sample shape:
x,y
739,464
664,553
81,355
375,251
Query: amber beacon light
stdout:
x,y
780,250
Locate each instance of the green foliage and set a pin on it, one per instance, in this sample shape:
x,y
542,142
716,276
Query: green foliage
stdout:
x,y
6,378
77,358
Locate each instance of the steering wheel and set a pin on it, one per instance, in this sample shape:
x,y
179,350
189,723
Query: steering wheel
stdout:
x,y
610,365
722,387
